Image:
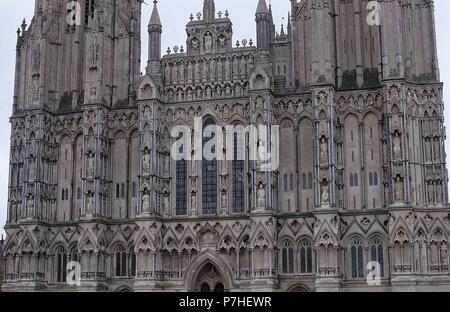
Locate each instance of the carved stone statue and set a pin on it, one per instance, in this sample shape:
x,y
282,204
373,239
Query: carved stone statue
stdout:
x,y
208,43
195,44
174,76
190,72
90,204
94,52
205,74
242,67
212,69
32,168
262,153
36,86
227,69
167,73
146,203
30,205
146,162
194,201
397,148
261,201
224,200
181,69
197,71
219,67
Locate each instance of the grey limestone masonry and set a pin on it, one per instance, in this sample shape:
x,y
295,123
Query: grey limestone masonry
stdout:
x,y
359,201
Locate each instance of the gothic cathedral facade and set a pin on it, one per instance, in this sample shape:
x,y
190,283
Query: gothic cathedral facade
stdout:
x,y
361,185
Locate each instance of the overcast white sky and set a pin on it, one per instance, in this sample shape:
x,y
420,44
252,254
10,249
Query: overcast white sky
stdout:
x,y
174,16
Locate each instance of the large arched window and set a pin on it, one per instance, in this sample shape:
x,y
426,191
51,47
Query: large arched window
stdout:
x,y
238,173
181,185
305,257
357,258
209,170
61,265
121,261
377,254
287,260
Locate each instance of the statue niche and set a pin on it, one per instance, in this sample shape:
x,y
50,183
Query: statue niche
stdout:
x,y
399,198
208,44
261,198
397,147
325,194
323,150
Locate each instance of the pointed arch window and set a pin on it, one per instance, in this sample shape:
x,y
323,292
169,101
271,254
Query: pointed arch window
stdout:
x,y
305,257
209,171
357,259
377,254
121,262
181,185
61,265
238,174
287,258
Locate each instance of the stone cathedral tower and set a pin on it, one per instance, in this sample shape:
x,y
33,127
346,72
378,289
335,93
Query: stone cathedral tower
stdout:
x,y
361,186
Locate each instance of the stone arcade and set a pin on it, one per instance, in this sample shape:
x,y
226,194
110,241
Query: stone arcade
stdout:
x,y
362,177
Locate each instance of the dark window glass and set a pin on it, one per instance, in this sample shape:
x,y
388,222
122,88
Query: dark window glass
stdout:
x,y
205,288
209,173
357,259
61,275
238,175
219,288
133,264
181,187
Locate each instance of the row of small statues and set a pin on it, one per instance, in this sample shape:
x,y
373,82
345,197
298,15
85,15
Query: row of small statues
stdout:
x,y
209,92
220,69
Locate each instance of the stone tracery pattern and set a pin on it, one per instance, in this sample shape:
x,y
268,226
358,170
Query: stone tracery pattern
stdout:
x,y
362,175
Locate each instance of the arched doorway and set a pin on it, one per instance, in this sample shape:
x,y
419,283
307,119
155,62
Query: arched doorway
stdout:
x,y
209,279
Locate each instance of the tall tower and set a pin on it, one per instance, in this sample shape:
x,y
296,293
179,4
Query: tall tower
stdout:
x,y
209,10
263,25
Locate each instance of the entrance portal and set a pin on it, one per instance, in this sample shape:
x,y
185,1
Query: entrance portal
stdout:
x,y
209,279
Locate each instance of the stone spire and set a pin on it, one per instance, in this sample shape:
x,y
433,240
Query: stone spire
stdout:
x,y
263,19
154,19
154,34
209,10
262,7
